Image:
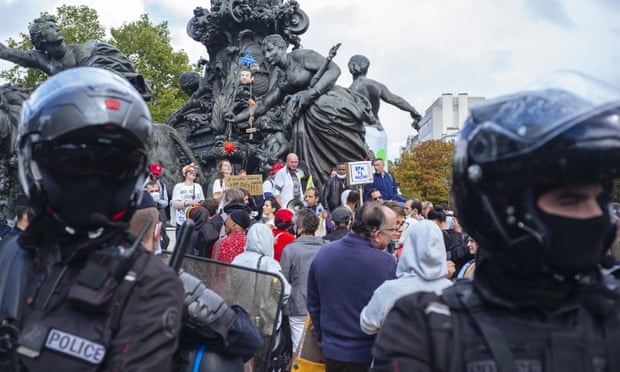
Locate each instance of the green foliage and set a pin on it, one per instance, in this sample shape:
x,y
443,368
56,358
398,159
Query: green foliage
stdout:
x,y
148,47
18,75
424,173
78,24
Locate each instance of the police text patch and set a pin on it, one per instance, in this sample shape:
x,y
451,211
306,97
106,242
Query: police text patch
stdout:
x,y
75,346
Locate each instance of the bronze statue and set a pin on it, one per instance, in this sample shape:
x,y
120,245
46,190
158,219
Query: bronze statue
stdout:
x,y
11,99
232,32
326,120
375,91
52,55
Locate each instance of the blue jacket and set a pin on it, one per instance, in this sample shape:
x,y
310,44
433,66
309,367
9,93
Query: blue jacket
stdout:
x,y
341,281
386,184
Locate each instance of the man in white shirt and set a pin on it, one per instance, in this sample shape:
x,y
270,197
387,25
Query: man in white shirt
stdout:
x,y
287,183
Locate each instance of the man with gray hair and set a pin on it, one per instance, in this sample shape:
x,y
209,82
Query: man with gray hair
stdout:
x,y
341,281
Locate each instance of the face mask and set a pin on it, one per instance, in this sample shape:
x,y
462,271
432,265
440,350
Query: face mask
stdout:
x,y
342,177
576,245
155,196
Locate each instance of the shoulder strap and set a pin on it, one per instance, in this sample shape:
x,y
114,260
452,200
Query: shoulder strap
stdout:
x,y
441,329
260,259
493,338
612,331
121,297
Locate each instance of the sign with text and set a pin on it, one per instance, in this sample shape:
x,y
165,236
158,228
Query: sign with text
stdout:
x,y
252,183
359,172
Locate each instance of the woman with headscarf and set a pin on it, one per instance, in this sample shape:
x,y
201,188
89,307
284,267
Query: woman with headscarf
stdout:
x,y
422,267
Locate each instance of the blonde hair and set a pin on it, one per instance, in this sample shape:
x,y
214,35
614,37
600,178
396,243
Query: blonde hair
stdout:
x,y
140,218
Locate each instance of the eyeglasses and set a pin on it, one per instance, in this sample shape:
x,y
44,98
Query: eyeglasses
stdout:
x,y
191,172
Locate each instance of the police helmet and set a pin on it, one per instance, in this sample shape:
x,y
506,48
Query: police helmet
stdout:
x,y
514,147
82,147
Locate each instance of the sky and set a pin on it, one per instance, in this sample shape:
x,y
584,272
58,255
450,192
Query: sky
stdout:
x,y
418,48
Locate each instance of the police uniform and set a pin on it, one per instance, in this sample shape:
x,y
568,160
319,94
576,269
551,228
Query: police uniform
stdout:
x,y
77,292
531,180
105,311
427,332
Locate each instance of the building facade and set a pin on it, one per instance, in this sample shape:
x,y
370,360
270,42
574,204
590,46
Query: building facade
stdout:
x,y
443,119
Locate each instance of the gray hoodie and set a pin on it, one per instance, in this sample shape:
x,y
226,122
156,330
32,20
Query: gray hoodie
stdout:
x,y
422,267
259,293
259,243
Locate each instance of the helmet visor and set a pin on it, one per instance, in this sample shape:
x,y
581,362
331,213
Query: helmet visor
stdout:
x,y
89,159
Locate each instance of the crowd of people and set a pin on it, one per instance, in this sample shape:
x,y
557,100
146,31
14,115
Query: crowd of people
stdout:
x,y
362,265
510,279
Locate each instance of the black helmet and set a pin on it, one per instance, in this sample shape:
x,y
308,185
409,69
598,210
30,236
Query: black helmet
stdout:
x,y
513,148
82,147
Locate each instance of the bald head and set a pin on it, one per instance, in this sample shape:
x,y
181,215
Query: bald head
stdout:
x,y
292,161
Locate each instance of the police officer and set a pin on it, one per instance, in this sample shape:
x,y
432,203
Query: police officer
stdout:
x,y
78,293
532,179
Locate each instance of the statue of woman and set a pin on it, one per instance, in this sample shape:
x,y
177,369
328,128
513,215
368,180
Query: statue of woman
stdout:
x,y
327,120
52,55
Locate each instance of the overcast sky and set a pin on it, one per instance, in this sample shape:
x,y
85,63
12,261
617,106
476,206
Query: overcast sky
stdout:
x,y
418,48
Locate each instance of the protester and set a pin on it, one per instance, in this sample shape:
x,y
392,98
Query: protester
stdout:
x,y
269,181
334,187
295,262
384,182
159,193
341,280
147,213
281,235
421,267
186,194
237,224
287,182
342,218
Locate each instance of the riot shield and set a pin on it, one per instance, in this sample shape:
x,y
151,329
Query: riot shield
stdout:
x,y
260,293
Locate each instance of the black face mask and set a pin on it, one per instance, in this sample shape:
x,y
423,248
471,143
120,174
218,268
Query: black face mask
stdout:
x,y
576,245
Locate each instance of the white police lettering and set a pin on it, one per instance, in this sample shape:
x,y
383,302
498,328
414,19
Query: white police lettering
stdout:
x,y
76,346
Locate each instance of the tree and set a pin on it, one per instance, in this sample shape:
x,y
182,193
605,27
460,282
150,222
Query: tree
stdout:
x,y
78,24
148,47
424,173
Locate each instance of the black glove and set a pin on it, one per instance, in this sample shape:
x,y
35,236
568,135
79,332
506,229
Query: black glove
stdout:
x,y
203,307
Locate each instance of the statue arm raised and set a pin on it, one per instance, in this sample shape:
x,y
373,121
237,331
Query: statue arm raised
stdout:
x,y
24,58
398,101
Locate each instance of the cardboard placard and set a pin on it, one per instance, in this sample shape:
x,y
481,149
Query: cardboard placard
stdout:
x,y
252,183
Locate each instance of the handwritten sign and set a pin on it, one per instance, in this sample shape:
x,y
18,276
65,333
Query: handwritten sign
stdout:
x,y
252,183
359,172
